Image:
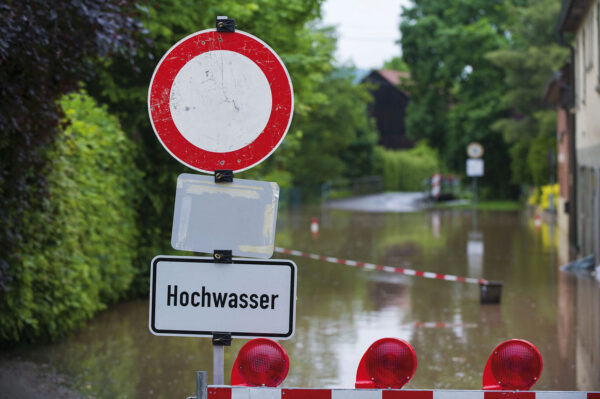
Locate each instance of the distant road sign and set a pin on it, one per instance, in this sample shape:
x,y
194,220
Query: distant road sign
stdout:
x,y
474,167
475,150
192,296
220,101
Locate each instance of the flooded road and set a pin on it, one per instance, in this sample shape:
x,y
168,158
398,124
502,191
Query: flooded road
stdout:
x,y
341,310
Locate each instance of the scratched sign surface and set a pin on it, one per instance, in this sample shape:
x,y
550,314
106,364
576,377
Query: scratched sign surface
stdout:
x,y
220,101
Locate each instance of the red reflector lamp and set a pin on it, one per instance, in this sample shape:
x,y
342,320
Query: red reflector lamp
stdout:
x,y
513,365
388,363
260,362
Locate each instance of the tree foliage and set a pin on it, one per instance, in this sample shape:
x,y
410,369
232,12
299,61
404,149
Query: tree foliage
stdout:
x,y
46,48
528,61
456,91
329,134
478,68
406,170
83,236
337,138
396,64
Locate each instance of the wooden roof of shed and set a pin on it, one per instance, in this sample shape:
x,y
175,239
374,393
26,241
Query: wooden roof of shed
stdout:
x,y
394,77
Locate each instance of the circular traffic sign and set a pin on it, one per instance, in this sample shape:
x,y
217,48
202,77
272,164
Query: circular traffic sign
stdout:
x,y
220,101
475,150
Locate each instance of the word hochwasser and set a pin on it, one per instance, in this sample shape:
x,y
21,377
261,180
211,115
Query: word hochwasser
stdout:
x,y
207,299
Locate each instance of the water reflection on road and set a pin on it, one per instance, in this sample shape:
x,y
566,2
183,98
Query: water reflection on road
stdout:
x,y
341,310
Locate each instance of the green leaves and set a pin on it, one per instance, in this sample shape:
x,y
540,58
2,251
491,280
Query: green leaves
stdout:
x,y
478,68
85,237
405,170
528,61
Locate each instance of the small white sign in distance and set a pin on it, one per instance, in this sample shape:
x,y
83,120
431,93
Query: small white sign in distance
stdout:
x,y
475,167
194,296
239,216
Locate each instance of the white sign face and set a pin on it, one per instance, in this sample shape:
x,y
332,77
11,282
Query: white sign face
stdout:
x,y
238,216
475,150
191,296
231,109
474,167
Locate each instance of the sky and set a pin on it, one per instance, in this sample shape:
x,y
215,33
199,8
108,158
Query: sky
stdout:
x,y
367,30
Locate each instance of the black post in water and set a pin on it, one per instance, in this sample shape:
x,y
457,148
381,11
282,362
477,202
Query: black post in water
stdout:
x,y
490,293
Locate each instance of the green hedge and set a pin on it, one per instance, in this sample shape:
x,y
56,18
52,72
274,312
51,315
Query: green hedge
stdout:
x,y
79,248
405,170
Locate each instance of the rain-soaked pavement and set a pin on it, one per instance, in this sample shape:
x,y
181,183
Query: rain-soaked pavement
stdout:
x,y
341,310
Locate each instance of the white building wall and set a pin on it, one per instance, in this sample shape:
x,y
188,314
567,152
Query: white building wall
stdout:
x,y
587,131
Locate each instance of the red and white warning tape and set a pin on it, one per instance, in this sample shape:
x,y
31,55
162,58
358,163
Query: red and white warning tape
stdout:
x,y
390,269
215,392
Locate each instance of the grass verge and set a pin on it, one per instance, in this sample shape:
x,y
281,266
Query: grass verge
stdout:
x,y
487,205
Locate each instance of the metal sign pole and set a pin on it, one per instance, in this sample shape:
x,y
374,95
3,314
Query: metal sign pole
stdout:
x,y
218,364
474,192
474,203
201,385
220,341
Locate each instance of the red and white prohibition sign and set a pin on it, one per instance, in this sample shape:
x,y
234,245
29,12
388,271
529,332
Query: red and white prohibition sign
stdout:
x,y
220,101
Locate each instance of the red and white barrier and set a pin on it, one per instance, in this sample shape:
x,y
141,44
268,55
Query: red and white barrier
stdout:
x,y
227,392
436,182
314,227
390,269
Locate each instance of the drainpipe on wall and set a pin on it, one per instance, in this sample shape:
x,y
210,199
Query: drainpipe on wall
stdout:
x,y
572,175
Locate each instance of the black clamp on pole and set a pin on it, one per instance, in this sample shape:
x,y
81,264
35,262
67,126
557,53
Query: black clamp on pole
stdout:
x,y
225,24
223,176
223,256
221,338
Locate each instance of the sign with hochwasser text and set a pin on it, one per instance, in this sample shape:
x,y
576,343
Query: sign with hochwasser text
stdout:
x,y
194,296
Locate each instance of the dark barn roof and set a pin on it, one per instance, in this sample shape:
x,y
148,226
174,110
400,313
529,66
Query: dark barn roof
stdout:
x,y
392,77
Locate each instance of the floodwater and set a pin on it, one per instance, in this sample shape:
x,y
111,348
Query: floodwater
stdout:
x,y
341,310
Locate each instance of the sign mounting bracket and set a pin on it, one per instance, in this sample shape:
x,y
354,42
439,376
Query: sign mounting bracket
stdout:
x,y
223,256
223,176
225,24
221,338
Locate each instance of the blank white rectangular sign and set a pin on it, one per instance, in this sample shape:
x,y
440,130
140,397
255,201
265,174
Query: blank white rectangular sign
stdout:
x,y
238,216
194,296
474,167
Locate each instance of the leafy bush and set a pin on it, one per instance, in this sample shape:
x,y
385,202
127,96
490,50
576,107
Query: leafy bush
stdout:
x,y
541,196
46,49
537,158
405,170
82,242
